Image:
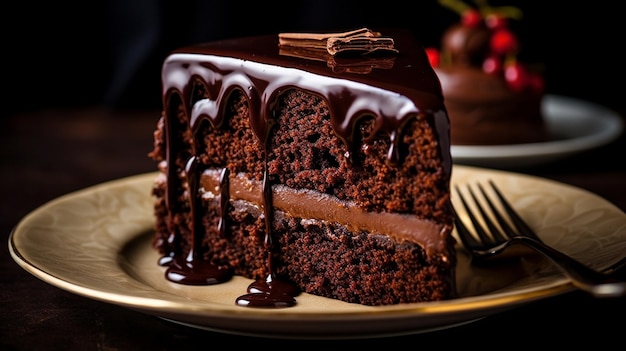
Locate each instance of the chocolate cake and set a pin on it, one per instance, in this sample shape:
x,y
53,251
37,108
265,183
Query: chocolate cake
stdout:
x,y
308,163
491,97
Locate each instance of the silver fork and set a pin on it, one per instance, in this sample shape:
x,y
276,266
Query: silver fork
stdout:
x,y
493,241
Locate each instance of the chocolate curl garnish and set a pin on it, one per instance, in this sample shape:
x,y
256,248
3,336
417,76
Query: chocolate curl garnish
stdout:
x,y
361,41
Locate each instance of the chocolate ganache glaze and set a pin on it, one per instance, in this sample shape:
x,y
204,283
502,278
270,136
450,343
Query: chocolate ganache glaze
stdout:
x,y
407,88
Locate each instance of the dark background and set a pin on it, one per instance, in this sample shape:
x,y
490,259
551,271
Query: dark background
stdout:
x,y
60,53
82,96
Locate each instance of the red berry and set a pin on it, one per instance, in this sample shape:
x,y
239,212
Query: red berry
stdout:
x,y
433,56
516,76
492,65
471,18
503,41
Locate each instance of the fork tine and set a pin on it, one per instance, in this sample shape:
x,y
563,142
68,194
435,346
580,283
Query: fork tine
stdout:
x,y
519,223
480,231
468,240
496,233
506,228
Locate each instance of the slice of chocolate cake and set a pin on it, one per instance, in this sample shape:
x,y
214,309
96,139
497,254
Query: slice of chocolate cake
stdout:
x,y
317,164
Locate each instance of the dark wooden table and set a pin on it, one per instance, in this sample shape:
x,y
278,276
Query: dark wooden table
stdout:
x,y
48,153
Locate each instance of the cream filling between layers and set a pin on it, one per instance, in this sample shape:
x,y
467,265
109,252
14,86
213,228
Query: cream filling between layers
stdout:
x,y
309,204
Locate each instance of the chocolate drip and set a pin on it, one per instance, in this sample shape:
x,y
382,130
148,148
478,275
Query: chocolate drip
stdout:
x,y
196,271
222,226
271,292
193,269
172,244
392,96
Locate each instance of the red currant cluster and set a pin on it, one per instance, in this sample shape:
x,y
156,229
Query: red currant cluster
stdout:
x,y
501,57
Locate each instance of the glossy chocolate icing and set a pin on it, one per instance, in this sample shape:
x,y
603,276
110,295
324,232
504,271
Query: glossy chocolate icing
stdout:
x,y
406,89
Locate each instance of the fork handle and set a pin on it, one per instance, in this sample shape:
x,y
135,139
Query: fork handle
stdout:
x,y
594,282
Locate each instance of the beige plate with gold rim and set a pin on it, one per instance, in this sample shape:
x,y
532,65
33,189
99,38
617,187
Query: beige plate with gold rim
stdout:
x,y
96,243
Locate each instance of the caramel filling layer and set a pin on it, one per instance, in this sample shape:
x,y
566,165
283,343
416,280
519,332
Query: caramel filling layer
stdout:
x,y
310,204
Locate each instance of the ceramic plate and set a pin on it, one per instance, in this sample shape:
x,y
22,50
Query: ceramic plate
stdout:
x,y
96,243
574,125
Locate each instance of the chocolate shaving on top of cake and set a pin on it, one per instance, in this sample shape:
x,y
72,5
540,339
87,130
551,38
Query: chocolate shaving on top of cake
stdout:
x,y
361,41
